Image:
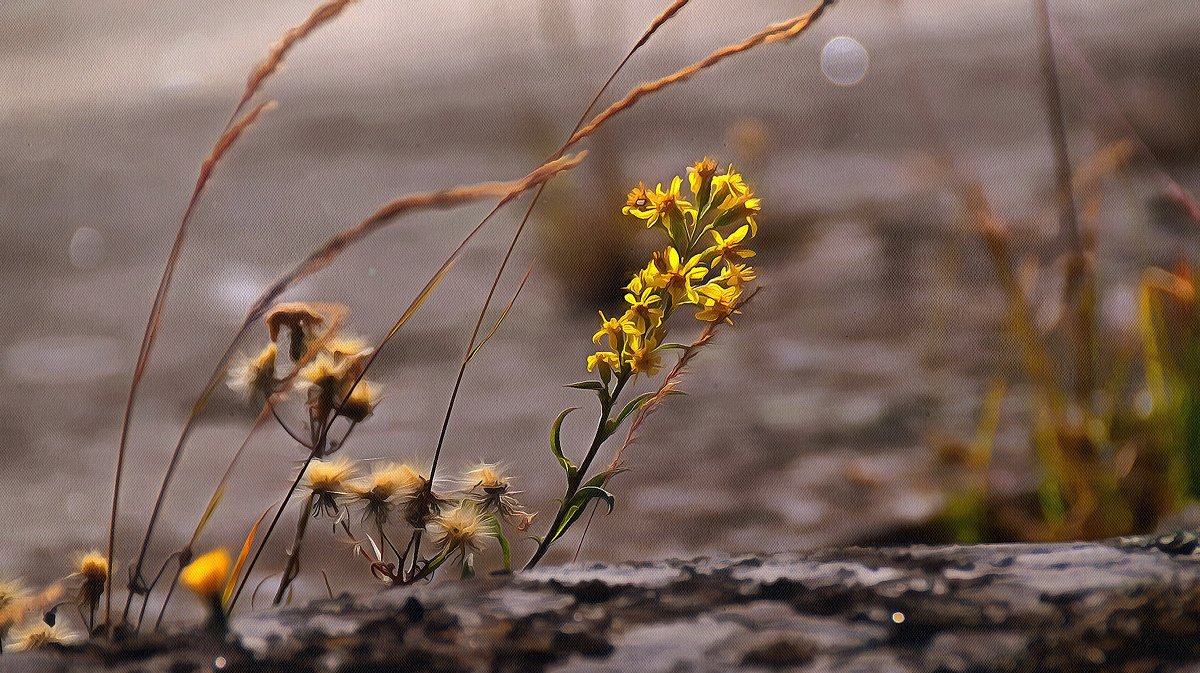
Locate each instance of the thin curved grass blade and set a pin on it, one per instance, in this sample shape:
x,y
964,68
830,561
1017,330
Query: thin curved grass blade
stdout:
x,y
241,558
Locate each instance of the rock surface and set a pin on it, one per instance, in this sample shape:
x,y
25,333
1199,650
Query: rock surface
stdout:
x,y
1123,605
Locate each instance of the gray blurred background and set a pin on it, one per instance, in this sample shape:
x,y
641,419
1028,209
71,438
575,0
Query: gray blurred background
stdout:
x,y
809,423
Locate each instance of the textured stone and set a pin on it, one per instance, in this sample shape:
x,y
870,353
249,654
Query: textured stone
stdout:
x,y
1125,605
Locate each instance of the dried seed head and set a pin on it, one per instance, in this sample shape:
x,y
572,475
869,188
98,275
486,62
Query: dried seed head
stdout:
x,y
328,480
347,347
388,481
378,492
461,527
488,477
13,600
93,568
293,315
300,319
254,376
362,401
41,636
328,476
206,576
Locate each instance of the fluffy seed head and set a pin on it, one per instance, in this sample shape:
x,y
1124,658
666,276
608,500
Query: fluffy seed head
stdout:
x,y
93,568
255,375
329,476
41,636
462,526
488,477
362,401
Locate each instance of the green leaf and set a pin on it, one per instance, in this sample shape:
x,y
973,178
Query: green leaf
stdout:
x,y
556,442
468,566
580,502
633,406
586,385
498,533
666,347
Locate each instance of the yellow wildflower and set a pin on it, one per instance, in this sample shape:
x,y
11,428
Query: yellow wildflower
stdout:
x,y
730,249
718,303
746,207
736,274
676,275
643,357
615,329
605,361
729,188
638,203
700,175
642,310
206,576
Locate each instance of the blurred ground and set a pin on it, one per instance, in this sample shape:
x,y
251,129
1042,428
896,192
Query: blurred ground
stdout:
x,y
807,424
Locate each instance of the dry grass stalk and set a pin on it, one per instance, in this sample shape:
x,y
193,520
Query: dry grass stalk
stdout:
x,y
778,32
222,146
324,13
233,131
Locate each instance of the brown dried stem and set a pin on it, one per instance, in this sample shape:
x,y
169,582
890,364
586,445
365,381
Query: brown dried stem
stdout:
x,y
778,32
233,131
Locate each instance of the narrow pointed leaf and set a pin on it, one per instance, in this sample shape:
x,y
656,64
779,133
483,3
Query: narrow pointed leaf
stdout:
x,y
556,443
241,559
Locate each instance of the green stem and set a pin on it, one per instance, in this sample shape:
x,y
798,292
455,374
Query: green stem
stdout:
x,y
573,483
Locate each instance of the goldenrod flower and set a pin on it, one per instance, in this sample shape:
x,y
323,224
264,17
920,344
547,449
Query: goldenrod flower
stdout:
x,y
615,329
300,319
605,361
736,274
700,176
642,310
670,202
676,275
671,211
643,357
730,249
328,481
638,203
461,527
41,636
362,401
206,576
254,376
718,303
747,207
729,188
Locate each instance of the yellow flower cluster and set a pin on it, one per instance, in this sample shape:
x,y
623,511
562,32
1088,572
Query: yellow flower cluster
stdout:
x,y
703,265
